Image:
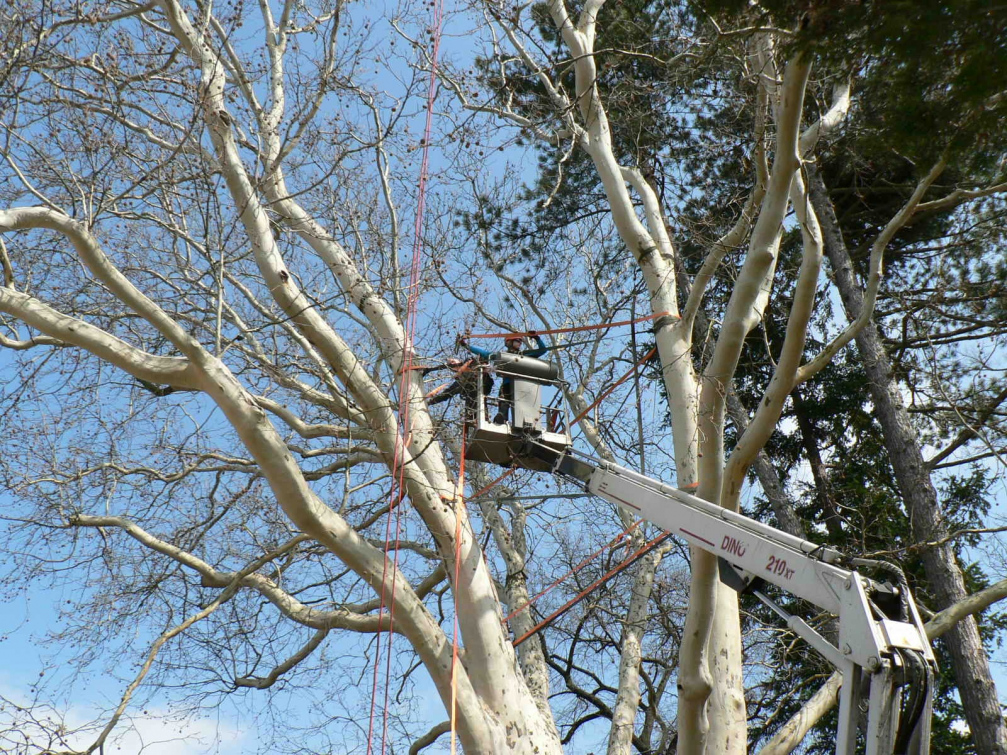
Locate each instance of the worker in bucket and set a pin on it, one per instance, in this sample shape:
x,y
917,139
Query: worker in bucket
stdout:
x,y
466,382
513,344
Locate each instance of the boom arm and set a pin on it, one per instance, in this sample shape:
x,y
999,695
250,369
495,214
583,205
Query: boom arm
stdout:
x,y
880,643
881,637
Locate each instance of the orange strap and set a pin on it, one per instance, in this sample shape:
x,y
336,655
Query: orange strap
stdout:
x,y
605,393
632,558
618,538
575,329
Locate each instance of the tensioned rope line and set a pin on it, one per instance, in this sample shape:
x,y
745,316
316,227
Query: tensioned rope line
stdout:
x,y
576,328
610,544
555,347
607,392
405,394
630,559
520,334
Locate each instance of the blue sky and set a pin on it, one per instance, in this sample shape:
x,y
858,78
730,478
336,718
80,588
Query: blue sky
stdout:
x,y
24,619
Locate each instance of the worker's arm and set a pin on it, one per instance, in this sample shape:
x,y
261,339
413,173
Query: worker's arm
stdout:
x,y
540,348
484,353
443,393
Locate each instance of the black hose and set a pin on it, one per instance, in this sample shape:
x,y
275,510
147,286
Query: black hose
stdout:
x,y
913,699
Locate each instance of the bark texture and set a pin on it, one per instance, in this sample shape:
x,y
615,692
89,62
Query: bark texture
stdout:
x,y
769,480
968,657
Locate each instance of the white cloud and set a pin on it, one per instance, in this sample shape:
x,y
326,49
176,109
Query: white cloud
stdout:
x,y
29,728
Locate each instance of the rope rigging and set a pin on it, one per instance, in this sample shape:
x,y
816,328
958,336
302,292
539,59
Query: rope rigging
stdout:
x,y
643,549
407,384
671,316
631,559
405,394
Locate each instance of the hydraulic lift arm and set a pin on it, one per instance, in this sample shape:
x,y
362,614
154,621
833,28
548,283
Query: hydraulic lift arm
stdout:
x,y
881,642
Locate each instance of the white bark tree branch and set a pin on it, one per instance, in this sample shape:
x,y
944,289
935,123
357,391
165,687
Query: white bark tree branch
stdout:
x,y
874,275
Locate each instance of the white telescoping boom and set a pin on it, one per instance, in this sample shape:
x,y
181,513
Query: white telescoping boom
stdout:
x,y
881,643
881,639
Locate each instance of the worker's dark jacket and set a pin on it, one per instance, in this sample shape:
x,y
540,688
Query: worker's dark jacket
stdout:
x,y
465,383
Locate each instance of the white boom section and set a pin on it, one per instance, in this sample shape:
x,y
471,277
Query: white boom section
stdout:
x,y
798,566
880,639
868,641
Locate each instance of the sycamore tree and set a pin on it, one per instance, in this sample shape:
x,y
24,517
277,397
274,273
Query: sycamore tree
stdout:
x,y
609,92
208,322
217,448
711,707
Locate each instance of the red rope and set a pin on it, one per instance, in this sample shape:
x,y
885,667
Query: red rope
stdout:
x,y
616,384
501,478
398,465
639,553
611,543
